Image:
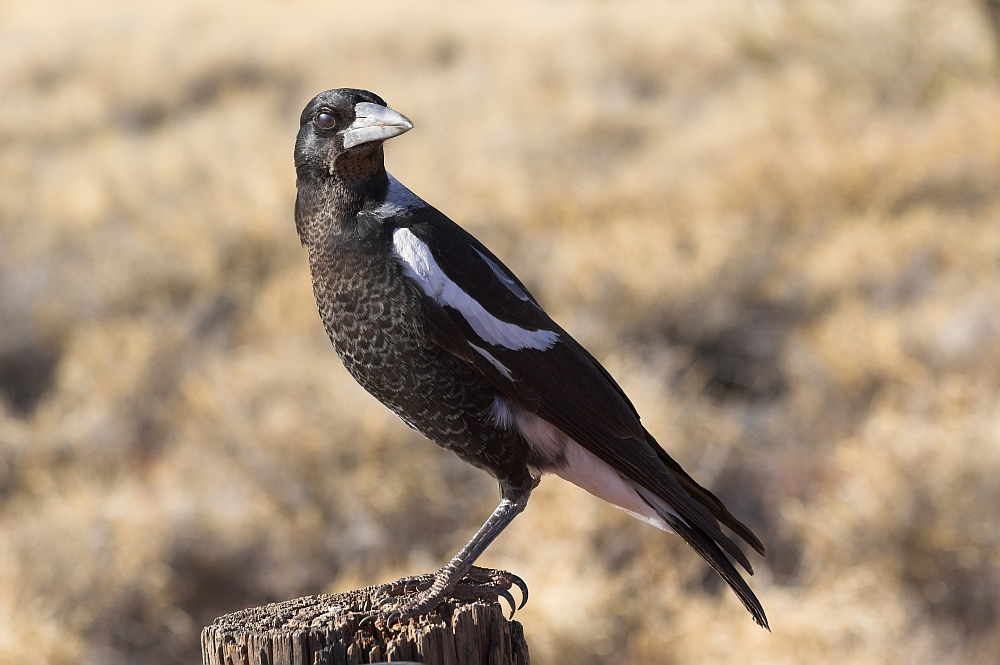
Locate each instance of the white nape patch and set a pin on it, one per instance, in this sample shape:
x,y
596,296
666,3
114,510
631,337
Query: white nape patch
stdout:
x,y
420,265
397,199
504,279
576,464
493,361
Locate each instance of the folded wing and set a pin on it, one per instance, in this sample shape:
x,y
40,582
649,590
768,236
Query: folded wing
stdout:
x,y
477,309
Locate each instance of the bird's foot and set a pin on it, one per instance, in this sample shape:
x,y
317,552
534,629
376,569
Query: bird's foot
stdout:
x,y
484,584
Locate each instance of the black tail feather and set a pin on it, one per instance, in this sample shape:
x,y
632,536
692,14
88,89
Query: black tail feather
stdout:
x,y
706,498
710,551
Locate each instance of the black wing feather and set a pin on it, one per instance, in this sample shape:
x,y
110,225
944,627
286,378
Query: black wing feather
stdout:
x,y
571,400
444,331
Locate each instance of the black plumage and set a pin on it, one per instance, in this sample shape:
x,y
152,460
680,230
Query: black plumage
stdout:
x,y
433,324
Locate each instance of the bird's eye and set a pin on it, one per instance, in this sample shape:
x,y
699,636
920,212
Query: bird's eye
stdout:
x,y
325,120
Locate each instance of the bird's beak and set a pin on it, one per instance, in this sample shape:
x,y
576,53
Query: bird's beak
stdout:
x,y
374,123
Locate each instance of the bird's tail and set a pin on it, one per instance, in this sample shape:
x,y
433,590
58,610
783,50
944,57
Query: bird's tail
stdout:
x,y
704,541
705,498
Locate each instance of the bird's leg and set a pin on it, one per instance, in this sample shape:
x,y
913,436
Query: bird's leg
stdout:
x,y
485,583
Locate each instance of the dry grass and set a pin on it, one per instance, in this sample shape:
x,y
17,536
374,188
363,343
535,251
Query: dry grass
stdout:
x,y
776,222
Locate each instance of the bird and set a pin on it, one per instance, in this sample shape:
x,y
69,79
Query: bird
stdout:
x,y
432,324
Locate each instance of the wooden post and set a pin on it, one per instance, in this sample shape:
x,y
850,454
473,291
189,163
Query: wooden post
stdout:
x,y
324,630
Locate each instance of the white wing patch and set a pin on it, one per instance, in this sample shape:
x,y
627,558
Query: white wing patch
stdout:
x,y
493,361
504,279
398,199
419,264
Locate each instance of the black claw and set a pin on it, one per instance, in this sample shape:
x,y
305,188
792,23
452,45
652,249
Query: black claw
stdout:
x,y
510,600
384,601
371,618
393,618
385,588
519,583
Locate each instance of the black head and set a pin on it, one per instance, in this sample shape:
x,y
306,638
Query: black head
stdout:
x,y
341,123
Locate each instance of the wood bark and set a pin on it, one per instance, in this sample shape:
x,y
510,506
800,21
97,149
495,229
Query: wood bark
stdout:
x,y
325,630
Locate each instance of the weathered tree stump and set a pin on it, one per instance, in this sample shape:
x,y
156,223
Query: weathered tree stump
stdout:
x,y
324,630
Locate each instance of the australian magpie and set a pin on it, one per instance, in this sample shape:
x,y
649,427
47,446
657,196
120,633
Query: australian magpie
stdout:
x,y
431,322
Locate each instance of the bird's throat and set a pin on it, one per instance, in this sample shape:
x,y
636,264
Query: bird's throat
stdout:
x,y
329,205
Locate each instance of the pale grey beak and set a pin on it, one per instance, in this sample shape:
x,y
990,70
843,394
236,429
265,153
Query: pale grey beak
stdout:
x,y
374,123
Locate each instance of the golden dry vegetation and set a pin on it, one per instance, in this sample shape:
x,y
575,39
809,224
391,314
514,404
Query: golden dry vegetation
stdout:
x,y
777,223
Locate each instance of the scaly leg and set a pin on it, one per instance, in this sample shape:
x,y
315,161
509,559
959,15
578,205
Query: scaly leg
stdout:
x,y
448,578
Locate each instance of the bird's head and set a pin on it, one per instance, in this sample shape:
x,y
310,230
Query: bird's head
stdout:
x,y
343,123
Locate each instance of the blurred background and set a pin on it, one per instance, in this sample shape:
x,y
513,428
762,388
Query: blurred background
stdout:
x,y
776,223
